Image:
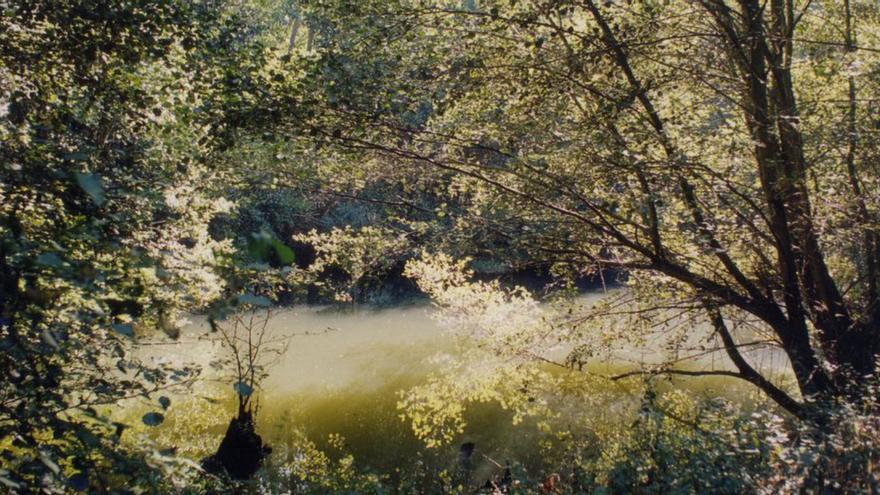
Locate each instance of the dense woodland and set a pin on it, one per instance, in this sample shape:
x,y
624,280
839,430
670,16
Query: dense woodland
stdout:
x,y
711,167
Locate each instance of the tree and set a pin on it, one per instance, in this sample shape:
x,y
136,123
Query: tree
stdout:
x,y
250,350
109,114
718,152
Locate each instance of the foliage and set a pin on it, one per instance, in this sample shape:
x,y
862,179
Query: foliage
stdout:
x,y
370,251
840,458
608,137
110,114
681,445
716,158
306,470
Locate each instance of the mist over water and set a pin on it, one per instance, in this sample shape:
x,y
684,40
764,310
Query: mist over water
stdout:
x,y
343,374
342,377
332,350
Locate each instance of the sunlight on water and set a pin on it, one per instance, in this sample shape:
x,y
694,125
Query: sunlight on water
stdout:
x,y
343,375
363,347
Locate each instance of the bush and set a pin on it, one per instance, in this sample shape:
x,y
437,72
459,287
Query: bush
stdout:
x,y
841,459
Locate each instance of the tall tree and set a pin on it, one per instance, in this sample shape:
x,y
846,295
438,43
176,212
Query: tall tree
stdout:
x,y
719,152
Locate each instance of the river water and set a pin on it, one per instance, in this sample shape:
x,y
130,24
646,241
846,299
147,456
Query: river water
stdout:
x,y
338,385
341,377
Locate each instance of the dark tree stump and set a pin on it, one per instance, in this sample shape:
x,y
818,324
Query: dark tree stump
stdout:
x,y
241,452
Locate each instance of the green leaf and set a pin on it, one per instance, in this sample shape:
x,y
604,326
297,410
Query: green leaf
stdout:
x,y
153,419
91,184
257,248
243,389
262,242
285,254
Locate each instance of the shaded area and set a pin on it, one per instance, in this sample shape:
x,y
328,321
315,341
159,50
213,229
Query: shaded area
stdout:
x,y
241,451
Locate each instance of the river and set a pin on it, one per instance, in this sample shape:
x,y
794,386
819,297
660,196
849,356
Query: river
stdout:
x,y
338,385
